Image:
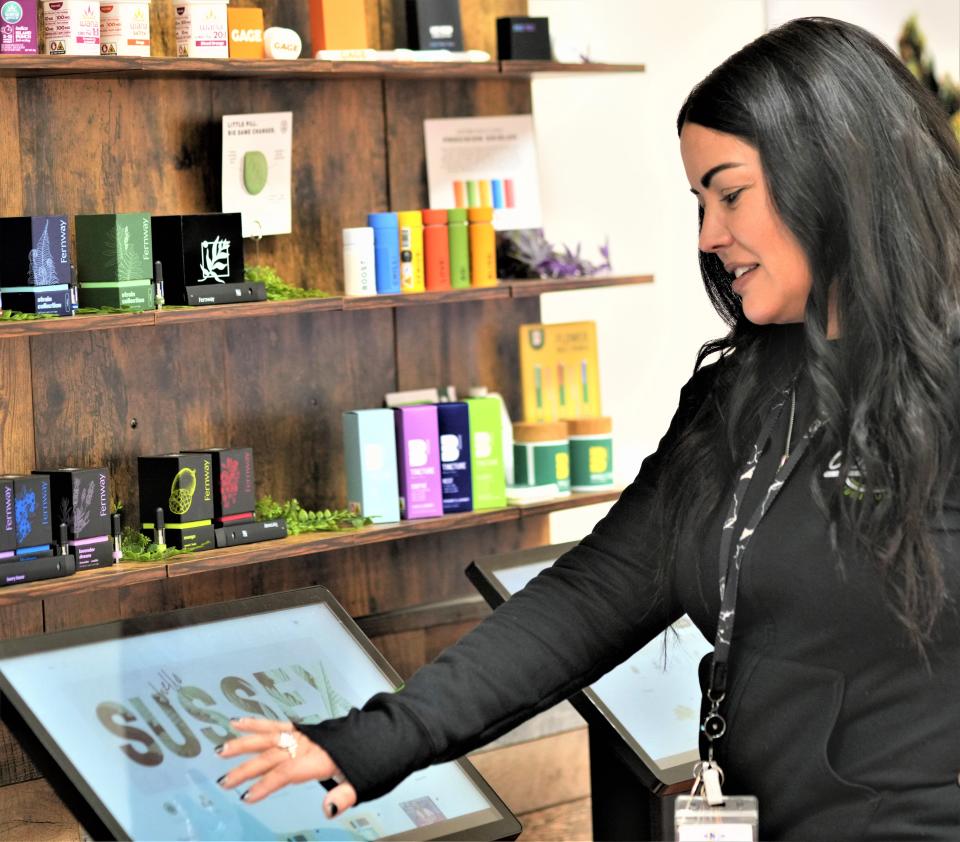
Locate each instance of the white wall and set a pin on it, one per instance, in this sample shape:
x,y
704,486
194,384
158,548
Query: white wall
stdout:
x,y
610,165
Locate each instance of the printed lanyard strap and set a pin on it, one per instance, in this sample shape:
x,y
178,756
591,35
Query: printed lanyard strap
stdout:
x,y
714,726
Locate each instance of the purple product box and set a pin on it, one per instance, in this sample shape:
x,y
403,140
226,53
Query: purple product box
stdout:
x,y
418,462
18,27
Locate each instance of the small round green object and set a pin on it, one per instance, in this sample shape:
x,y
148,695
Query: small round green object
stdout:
x,y
254,172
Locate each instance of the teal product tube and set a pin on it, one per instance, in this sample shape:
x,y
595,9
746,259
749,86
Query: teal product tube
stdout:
x,y
370,456
458,231
386,243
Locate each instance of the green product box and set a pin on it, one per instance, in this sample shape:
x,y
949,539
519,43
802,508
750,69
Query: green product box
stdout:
x,y
486,453
114,247
128,295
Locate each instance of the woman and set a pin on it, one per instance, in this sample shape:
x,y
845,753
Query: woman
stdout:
x,y
828,185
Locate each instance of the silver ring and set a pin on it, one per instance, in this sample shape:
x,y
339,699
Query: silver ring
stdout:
x,y
288,741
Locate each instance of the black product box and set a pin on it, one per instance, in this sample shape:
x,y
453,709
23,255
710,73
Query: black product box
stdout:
x,y
233,535
233,488
434,25
50,300
201,254
34,251
525,39
91,553
31,511
80,498
37,569
8,531
226,293
179,483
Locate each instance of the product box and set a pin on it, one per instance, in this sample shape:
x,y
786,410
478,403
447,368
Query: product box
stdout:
x,y
453,425
91,553
31,512
127,295
434,25
34,250
559,374
338,25
71,28
201,28
52,300
80,498
246,32
418,462
202,255
18,27
114,247
8,532
125,28
182,485
486,453
526,39
370,456
234,496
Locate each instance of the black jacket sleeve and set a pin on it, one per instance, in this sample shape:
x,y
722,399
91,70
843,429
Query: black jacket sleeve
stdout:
x,y
590,611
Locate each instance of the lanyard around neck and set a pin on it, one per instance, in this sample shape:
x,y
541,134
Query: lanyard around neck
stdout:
x,y
730,562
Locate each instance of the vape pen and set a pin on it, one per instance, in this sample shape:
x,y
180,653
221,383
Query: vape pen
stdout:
x,y
64,540
117,546
158,284
74,287
159,533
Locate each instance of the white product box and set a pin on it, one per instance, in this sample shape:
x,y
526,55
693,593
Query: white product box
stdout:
x,y
125,28
71,28
202,28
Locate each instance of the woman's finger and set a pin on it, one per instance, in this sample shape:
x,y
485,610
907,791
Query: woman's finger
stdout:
x,y
254,767
311,764
340,798
261,726
246,745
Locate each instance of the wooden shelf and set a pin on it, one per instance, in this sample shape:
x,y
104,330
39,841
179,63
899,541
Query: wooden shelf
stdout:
x,y
159,67
174,315
131,573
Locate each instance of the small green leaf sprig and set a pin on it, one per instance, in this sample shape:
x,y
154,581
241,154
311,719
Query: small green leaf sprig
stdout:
x,y
277,288
300,520
138,547
16,316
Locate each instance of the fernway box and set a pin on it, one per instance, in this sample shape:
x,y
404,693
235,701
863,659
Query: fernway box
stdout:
x,y
80,498
234,496
182,485
202,259
115,260
34,251
52,300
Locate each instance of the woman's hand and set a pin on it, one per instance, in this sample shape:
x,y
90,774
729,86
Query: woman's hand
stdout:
x,y
282,755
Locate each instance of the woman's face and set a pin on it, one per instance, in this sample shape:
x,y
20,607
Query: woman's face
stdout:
x,y
740,225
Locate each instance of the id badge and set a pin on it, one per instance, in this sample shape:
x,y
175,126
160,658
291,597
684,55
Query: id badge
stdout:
x,y
736,820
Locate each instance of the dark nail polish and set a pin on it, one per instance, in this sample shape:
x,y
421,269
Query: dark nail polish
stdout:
x,y
334,809
244,796
219,749
221,779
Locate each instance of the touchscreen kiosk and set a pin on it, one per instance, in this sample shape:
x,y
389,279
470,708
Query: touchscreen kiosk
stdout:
x,y
124,719
648,706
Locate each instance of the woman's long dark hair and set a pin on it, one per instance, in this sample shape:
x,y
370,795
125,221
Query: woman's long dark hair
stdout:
x,y
863,169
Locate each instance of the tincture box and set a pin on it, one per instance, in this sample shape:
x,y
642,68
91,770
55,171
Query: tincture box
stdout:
x,y
71,28
8,530
182,485
486,453
453,424
115,260
35,264
125,28
18,27
33,530
201,27
80,498
370,456
418,462
234,495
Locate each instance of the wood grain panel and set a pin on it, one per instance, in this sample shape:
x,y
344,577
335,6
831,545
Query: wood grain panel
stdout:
x,y
290,381
407,106
31,812
70,611
339,168
16,407
101,146
93,386
17,621
11,196
468,344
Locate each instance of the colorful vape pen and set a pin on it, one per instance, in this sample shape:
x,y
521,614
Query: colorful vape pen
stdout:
x,y
117,543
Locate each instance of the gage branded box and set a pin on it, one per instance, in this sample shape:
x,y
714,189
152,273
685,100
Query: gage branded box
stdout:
x,y
80,498
418,461
18,27
486,453
33,530
8,531
246,32
370,455
182,485
34,251
115,260
234,496
202,258
453,425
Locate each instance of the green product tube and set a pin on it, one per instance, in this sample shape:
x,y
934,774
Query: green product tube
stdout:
x,y
459,248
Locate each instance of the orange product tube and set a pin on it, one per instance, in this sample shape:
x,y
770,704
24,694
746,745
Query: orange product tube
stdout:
x,y
436,250
483,248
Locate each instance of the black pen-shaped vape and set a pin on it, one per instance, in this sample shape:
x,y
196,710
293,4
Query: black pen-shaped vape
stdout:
x,y
74,290
158,284
159,533
64,540
117,548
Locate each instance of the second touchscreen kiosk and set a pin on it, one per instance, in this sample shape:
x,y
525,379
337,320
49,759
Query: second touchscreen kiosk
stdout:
x,y
652,709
